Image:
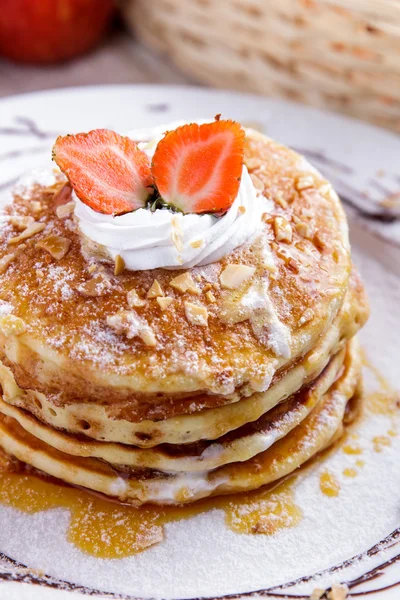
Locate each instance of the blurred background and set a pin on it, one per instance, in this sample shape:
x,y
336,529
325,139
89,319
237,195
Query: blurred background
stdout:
x,y
343,55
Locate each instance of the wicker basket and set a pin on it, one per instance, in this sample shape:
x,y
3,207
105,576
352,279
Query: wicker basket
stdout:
x,y
339,54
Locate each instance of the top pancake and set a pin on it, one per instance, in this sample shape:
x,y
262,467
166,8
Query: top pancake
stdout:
x,y
61,344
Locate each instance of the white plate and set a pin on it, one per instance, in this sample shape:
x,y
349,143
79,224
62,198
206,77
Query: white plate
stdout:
x,y
201,557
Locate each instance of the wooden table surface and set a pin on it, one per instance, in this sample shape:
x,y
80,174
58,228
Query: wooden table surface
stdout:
x,y
120,59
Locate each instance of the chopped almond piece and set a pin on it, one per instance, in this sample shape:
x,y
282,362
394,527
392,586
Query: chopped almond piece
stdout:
x,y
242,210
317,594
119,265
36,206
97,286
129,323
210,297
196,314
234,275
21,223
303,229
134,300
12,325
65,210
306,316
185,283
303,182
164,302
55,245
31,230
155,291
196,244
283,230
5,262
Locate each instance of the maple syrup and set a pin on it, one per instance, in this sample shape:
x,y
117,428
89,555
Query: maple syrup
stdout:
x,y
329,485
106,529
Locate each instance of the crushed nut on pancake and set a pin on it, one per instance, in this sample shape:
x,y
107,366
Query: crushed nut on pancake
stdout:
x,y
303,229
129,323
283,230
21,223
5,262
65,210
210,297
55,245
164,302
119,265
279,199
12,325
134,300
234,275
31,230
306,316
97,286
304,182
196,314
185,283
155,291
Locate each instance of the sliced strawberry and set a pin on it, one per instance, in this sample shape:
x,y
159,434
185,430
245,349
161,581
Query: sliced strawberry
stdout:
x,y
107,171
197,168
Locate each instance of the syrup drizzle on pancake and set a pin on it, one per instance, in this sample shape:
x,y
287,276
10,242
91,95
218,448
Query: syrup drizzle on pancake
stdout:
x,y
106,529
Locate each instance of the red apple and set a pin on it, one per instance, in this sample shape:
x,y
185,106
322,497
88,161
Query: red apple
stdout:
x,y
45,31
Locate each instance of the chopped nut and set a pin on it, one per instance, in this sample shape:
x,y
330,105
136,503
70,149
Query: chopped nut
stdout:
x,y
306,316
21,223
185,283
279,199
207,287
5,262
196,314
55,245
134,300
119,265
12,325
65,210
92,268
339,591
303,182
283,230
303,229
196,244
317,594
39,273
176,238
258,184
129,323
155,291
242,210
36,206
31,230
210,297
97,286
234,275
164,302
319,240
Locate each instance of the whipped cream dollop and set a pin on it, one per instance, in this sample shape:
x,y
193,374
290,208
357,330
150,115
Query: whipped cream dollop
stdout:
x,y
148,240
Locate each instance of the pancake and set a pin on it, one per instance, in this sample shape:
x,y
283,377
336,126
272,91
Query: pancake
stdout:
x,y
312,435
168,385
240,445
62,343
94,421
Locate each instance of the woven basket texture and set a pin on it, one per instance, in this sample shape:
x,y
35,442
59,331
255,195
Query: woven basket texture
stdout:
x,y
342,55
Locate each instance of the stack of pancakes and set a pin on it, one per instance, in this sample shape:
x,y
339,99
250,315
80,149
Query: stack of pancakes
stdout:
x,y
167,386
